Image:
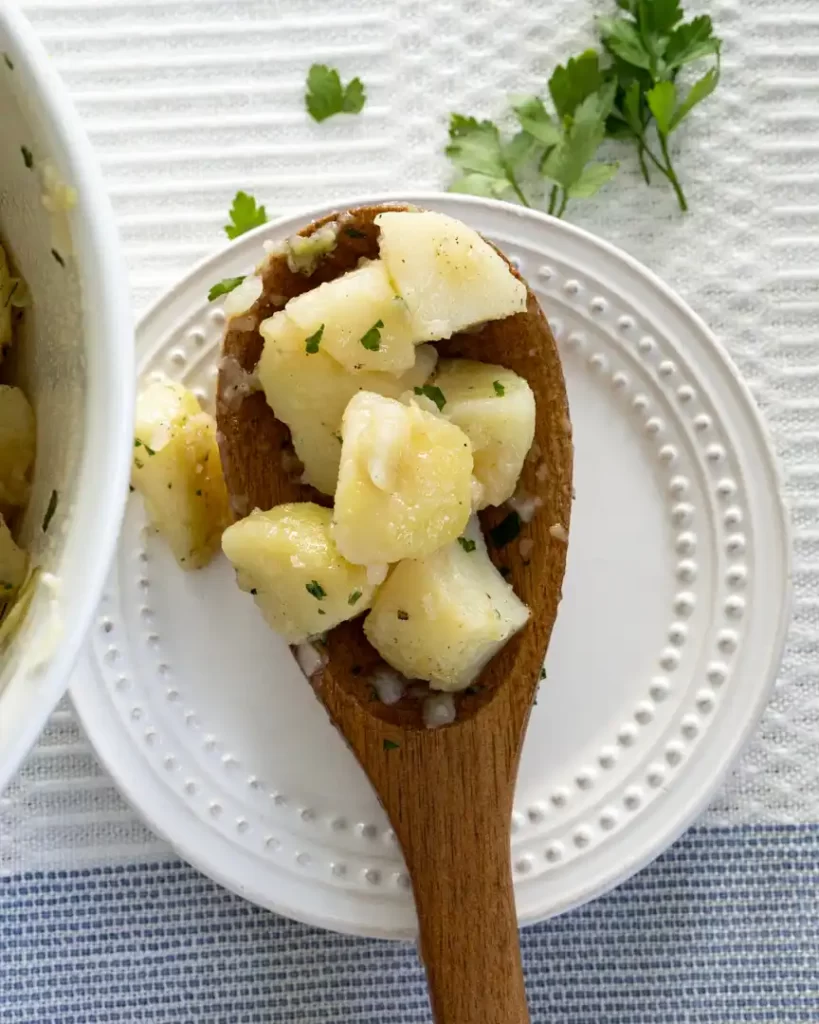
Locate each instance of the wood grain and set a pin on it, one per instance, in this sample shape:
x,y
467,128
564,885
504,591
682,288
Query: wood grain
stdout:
x,y
448,792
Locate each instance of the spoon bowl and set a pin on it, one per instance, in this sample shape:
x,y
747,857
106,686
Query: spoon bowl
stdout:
x,y
448,791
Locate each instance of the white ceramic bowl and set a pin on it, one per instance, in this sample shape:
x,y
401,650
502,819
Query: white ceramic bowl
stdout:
x,y
74,359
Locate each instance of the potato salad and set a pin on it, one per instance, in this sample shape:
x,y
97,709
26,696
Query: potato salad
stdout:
x,y
408,447
17,445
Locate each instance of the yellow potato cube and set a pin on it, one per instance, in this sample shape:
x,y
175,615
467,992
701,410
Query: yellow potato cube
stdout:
x,y
449,277
495,408
309,391
288,560
443,617
177,469
364,325
404,483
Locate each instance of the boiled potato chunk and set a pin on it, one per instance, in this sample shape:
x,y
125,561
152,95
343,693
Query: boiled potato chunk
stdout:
x,y
364,325
176,468
449,277
309,391
17,444
288,560
13,564
495,408
404,482
441,618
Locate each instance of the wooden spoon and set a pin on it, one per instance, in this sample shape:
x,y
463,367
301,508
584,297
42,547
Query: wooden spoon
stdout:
x,y
448,792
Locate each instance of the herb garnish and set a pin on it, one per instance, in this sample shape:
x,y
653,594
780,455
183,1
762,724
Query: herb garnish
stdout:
x,y
316,590
506,530
467,544
372,339
433,393
311,344
52,508
402,615
325,95
354,233
245,215
58,257
142,444
224,286
500,390
8,61
391,745
28,156
354,597
649,45
633,90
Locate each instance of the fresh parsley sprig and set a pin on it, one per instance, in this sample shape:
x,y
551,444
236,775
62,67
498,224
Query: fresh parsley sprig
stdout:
x,y
245,214
557,147
650,44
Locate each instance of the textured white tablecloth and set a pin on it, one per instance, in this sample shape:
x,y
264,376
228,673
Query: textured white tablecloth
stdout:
x,y
188,100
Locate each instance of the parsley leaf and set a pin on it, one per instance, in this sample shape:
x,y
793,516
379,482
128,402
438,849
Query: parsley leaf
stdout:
x,y
500,390
649,45
224,286
391,745
311,344
467,544
316,590
486,163
433,393
372,339
325,95
245,215
354,597
52,508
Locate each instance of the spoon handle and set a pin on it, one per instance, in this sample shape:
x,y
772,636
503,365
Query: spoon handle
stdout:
x,y
452,815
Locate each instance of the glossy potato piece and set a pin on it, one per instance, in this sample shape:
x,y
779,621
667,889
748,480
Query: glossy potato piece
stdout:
x,y
449,277
404,483
288,560
495,408
177,469
309,391
348,311
441,618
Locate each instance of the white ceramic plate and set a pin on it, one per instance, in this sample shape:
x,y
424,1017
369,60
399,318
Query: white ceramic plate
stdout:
x,y
668,639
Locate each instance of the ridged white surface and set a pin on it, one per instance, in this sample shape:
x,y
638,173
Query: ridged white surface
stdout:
x,y
188,101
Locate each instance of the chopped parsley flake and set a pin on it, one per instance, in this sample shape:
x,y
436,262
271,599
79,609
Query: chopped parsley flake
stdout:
x,y
28,156
402,615
227,284
254,591
354,597
467,544
8,586
372,339
321,611
198,494
142,444
311,344
543,673
433,393
500,390
52,508
8,61
391,745
316,590
58,257
506,530
354,233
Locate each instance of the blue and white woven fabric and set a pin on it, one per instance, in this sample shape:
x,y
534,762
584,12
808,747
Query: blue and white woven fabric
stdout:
x,y
187,100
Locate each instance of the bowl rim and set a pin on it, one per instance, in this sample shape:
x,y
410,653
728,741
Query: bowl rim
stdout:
x,y
105,455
